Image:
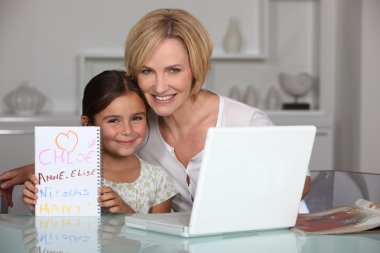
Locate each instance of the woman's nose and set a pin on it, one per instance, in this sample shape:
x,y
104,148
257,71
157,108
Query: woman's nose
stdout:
x,y
161,84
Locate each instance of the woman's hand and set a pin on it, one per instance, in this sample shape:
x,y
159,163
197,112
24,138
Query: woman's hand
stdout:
x,y
111,200
10,178
29,193
7,196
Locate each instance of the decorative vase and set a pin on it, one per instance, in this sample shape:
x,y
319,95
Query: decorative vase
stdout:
x,y
272,99
235,93
232,39
25,100
250,97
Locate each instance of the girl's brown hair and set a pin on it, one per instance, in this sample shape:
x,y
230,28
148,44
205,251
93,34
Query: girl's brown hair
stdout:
x,y
103,88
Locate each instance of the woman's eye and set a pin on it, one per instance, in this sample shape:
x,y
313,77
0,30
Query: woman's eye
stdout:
x,y
175,70
146,71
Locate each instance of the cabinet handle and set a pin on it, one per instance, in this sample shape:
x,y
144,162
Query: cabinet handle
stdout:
x,y
9,132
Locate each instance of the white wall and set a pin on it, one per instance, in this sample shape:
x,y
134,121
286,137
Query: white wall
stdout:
x,y
40,41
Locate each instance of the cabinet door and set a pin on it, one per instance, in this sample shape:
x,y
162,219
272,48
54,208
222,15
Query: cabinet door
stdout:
x,y
322,155
16,150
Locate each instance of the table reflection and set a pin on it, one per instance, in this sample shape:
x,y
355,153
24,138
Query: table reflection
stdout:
x,y
108,234
269,241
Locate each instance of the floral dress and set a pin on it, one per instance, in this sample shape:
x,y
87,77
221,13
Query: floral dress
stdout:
x,y
151,188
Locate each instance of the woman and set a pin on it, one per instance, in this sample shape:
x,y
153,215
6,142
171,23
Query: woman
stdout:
x,y
168,53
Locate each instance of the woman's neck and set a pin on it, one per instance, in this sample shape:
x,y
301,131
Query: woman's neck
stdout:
x,y
190,115
186,130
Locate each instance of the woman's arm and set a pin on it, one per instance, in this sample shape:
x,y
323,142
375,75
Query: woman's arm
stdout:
x,y
164,207
12,177
306,188
16,176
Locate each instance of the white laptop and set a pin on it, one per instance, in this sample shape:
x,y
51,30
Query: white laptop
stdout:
x,y
251,178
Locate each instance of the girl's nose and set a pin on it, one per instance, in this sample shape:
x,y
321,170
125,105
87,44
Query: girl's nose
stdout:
x,y
126,129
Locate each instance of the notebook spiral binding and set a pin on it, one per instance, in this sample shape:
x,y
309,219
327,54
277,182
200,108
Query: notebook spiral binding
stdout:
x,y
99,161
100,178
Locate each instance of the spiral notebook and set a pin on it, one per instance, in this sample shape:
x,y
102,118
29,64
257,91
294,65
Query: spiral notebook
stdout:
x,y
68,168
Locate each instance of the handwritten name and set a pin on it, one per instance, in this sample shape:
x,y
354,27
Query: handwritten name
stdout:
x,y
46,192
50,156
44,177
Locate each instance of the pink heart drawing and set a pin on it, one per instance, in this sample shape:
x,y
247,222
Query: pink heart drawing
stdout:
x,y
67,141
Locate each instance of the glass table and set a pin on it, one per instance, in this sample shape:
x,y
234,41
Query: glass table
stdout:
x,y
106,234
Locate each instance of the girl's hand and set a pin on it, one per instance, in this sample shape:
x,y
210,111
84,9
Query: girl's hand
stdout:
x,y
113,202
29,193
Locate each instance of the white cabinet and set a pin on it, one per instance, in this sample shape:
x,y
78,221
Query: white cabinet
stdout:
x,y
17,145
16,149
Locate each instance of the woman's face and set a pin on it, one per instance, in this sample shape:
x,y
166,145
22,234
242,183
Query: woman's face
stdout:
x,y
166,78
124,125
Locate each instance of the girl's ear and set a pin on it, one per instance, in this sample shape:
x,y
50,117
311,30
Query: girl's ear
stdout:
x,y
84,120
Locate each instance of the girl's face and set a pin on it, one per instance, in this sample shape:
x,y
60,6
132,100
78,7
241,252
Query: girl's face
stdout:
x,y
166,78
124,125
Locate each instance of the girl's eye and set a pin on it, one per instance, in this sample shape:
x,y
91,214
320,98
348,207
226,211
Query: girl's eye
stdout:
x,y
137,118
113,121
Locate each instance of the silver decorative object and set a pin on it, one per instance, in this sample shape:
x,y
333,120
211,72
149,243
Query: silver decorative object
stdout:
x,y
296,86
25,100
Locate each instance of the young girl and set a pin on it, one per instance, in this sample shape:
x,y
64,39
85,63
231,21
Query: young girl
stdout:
x,y
130,185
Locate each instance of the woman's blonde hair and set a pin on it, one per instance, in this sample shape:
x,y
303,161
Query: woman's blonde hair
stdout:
x,y
161,24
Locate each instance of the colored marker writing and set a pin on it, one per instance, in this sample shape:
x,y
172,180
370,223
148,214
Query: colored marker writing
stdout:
x,y
46,208
51,156
46,192
45,177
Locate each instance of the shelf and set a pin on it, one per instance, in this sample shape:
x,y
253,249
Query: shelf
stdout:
x,y
118,55
11,118
21,125
304,117
219,56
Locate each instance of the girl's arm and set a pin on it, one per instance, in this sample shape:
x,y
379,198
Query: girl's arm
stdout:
x,y
112,200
